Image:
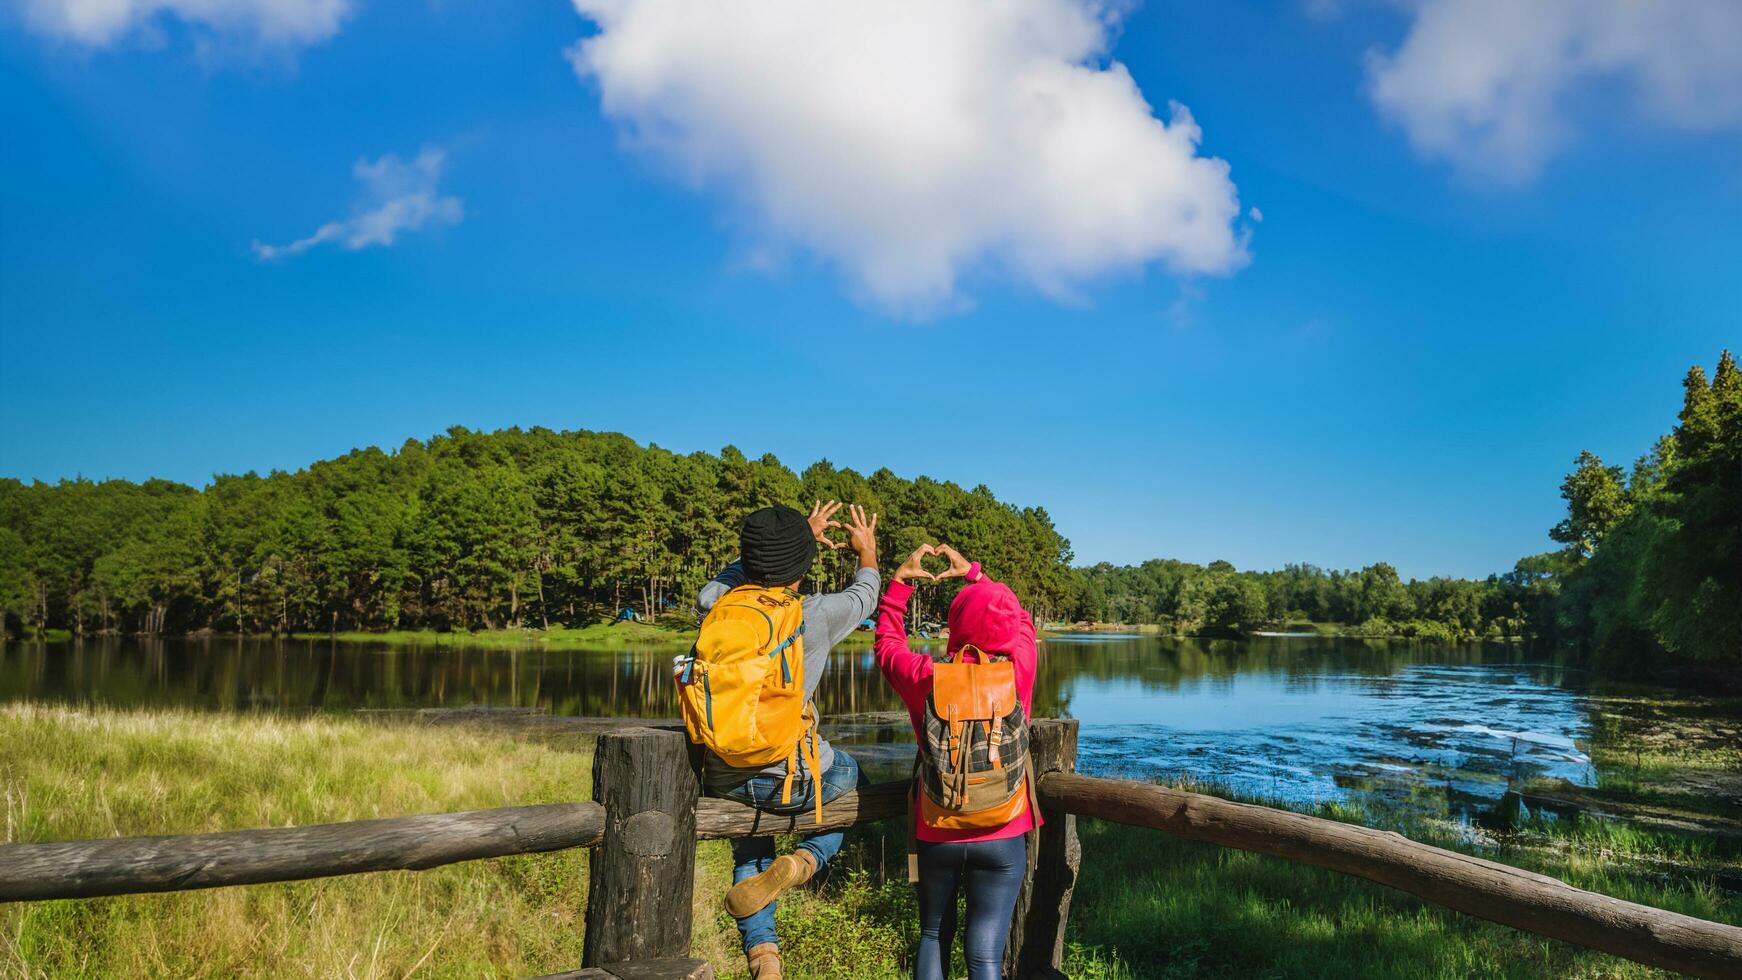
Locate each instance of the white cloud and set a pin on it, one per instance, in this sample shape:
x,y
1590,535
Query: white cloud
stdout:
x,y
912,142
397,197
270,23
1485,83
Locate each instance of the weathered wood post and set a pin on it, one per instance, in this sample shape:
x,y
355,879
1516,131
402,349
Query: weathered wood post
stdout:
x,y
642,876
1037,933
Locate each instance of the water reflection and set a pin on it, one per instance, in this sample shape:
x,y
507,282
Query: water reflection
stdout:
x,y
1301,720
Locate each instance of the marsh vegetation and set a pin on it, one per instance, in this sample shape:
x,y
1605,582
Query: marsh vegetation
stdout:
x,y
1654,820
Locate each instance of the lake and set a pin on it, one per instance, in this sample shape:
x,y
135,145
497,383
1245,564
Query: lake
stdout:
x,y
1449,728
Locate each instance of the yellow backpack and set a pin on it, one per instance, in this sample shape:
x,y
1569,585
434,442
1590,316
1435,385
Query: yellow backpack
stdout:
x,y
741,687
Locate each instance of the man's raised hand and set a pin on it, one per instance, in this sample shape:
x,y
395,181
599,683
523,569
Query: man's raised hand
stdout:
x,y
821,519
911,568
862,535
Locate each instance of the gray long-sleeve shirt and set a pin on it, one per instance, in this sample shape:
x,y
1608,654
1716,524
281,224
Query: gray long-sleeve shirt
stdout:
x,y
828,618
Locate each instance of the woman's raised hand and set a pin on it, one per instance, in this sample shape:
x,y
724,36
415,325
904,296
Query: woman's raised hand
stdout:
x,y
910,569
958,565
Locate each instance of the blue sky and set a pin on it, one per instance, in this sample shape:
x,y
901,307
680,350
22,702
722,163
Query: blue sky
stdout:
x,y
1451,286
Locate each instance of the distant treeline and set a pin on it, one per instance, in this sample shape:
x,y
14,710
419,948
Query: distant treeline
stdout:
x,y
465,531
1651,563
539,528
1374,601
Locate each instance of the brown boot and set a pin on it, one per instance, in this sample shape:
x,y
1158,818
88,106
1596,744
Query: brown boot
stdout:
x,y
764,962
754,893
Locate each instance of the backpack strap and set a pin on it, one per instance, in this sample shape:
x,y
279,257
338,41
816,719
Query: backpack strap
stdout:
x,y
808,748
816,751
1029,777
956,731
780,651
913,819
788,641
810,717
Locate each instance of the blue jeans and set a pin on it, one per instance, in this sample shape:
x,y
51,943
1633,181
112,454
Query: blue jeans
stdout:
x,y
992,872
753,855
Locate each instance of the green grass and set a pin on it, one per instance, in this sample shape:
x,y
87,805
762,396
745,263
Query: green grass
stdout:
x,y
1146,905
860,923
43,635
1664,758
1677,776
67,773
864,639
674,633
1155,906
1158,907
1715,852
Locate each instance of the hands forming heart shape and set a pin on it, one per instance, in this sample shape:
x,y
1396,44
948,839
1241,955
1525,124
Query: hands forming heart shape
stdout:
x,y
913,569
861,527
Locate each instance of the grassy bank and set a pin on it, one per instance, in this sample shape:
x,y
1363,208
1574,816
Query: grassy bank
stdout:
x,y
673,633
39,636
1662,761
71,774
1159,907
1146,905
1373,629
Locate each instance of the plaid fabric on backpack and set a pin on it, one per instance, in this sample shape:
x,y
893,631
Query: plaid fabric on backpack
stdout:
x,y
973,771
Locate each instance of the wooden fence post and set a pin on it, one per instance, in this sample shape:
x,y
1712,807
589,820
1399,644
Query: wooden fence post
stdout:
x,y
1037,932
642,876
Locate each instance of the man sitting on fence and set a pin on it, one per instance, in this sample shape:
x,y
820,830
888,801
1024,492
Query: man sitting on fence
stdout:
x,y
746,690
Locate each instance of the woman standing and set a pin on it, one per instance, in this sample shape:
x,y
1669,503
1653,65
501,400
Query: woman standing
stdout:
x,y
968,836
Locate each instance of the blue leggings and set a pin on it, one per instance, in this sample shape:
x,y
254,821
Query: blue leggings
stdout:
x,y
992,871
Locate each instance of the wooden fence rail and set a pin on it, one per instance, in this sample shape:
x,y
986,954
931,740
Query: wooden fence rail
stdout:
x,y
1497,892
134,865
648,816
185,862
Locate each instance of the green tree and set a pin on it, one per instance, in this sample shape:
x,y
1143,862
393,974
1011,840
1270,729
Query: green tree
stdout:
x,y
1596,499
1661,575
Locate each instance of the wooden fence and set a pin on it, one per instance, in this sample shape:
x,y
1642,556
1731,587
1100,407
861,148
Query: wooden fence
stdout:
x,y
648,814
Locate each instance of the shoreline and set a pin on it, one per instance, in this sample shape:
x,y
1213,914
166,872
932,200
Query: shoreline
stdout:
x,y
616,635
1141,898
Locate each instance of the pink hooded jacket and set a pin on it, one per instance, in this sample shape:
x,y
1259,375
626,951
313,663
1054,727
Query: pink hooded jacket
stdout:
x,y
985,614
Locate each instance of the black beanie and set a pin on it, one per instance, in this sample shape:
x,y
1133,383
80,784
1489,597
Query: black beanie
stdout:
x,y
777,546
